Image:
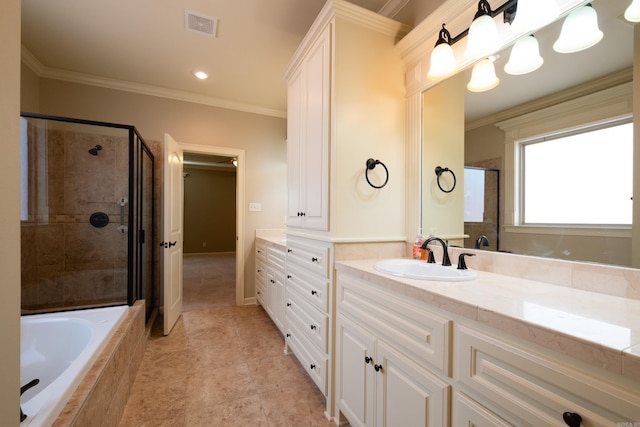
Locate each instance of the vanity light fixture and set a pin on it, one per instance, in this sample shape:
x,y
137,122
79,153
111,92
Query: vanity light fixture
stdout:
x,y
483,34
534,14
632,14
525,56
200,74
579,31
483,76
443,62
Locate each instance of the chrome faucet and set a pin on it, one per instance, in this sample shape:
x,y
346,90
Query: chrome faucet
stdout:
x,y
482,240
445,253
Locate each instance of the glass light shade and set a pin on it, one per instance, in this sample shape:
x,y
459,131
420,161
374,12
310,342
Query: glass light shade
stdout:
x,y
534,14
483,38
579,31
483,76
443,62
525,56
632,14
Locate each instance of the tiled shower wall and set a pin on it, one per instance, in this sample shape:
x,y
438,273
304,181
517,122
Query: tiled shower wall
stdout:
x,y
67,262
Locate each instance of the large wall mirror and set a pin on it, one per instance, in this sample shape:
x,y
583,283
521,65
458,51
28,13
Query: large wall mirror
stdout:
x,y
562,77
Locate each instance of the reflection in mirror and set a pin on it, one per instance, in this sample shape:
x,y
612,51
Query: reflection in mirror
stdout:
x,y
481,208
561,78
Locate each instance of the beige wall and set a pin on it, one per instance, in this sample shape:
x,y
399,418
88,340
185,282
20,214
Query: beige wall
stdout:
x,y
262,137
209,211
9,214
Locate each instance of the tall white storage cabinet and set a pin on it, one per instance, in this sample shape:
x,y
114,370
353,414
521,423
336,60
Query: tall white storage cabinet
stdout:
x,y
346,104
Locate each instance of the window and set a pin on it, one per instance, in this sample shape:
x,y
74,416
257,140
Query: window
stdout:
x,y
582,177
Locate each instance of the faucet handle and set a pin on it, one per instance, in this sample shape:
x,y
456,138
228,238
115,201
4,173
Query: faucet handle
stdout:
x,y
430,258
462,265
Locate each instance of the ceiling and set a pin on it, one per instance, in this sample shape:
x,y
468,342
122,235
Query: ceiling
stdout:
x,y
143,46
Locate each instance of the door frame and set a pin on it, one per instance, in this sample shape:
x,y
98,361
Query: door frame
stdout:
x,y
240,155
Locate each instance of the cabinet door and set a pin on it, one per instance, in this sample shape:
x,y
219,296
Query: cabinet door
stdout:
x,y
355,373
278,301
406,394
308,138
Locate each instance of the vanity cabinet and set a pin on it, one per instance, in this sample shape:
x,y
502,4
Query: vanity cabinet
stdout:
x,y
309,274
526,388
392,358
270,283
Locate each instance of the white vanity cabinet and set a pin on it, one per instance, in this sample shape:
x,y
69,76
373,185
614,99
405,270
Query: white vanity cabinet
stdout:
x,y
392,358
270,259
309,273
523,387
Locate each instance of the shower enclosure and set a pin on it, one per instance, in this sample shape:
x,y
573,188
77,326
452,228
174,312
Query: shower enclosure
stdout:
x,y
87,215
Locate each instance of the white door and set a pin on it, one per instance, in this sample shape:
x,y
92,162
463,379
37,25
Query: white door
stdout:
x,y
173,205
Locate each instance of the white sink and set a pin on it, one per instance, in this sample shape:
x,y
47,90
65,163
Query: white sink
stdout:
x,y
417,269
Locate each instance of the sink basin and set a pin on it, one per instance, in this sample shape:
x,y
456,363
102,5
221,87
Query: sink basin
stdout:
x,y
417,269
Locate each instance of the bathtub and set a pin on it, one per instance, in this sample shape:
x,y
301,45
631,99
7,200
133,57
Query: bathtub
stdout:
x,y
58,349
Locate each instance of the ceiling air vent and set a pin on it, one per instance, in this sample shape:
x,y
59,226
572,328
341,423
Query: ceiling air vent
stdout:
x,y
200,23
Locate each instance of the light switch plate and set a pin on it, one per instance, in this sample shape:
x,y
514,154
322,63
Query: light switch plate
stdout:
x,y
255,207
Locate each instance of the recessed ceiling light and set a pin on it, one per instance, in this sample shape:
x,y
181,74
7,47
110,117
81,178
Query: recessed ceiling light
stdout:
x,y
201,74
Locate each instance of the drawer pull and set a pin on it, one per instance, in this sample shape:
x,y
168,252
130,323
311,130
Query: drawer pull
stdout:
x,y
368,359
314,292
378,368
289,276
272,281
259,293
313,327
572,419
259,251
288,304
288,335
314,259
312,366
289,250
259,271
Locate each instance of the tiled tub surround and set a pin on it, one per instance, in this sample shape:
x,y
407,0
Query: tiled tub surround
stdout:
x,y
594,327
102,395
66,261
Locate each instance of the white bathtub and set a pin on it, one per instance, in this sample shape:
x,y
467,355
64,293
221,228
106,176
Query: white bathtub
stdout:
x,y
58,349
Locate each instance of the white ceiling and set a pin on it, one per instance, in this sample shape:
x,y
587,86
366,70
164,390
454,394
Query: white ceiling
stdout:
x,y
142,45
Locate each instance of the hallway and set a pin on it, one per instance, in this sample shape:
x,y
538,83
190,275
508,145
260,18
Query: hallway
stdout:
x,y
222,365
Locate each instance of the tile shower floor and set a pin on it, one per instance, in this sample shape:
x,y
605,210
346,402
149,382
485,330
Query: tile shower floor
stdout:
x,y
222,365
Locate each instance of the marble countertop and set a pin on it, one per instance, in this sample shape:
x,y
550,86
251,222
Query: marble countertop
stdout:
x,y
598,329
276,237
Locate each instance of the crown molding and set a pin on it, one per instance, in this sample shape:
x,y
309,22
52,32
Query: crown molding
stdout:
x,y
392,7
43,71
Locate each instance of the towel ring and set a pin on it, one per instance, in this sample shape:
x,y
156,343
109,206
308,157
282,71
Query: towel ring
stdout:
x,y
372,164
439,172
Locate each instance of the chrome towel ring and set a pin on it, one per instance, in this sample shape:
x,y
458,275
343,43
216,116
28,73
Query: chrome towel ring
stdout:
x,y
372,164
439,172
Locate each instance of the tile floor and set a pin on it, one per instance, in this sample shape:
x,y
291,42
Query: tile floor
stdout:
x,y
222,365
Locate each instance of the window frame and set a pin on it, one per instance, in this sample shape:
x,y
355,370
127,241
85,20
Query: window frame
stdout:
x,y
597,109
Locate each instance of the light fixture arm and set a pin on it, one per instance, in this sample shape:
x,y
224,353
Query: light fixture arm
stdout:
x,y
509,9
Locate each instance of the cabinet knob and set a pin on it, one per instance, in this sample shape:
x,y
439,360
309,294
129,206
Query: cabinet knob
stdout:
x,y
314,259
312,366
368,359
313,327
572,419
289,250
272,281
259,251
288,335
259,271
289,276
314,292
378,368
259,293
288,304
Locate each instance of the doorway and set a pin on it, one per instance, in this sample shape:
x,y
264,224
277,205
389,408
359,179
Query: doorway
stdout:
x,y
231,238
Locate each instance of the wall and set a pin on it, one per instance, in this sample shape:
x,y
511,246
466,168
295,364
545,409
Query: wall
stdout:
x,y
262,137
9,214
209,211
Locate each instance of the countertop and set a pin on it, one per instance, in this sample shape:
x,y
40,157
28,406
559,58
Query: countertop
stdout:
x,y
276,237
598,329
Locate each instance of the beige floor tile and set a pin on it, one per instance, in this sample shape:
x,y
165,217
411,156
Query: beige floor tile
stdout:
x,y
238,413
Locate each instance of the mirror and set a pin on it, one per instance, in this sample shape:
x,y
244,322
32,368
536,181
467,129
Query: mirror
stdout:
x,y
485,142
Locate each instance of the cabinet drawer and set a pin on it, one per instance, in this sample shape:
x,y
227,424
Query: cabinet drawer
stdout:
x,y
261,251
310,320
414,330
530,389
261,294
314,289
275,258
313,258
261,272
311,360
466,412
